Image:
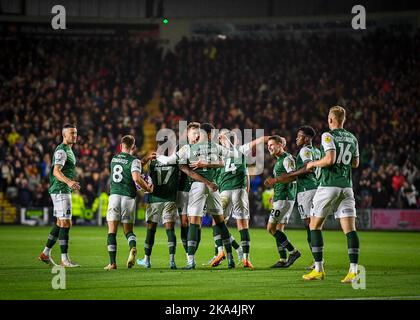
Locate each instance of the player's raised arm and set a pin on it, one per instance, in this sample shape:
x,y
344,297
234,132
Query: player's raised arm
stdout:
x,y
197,177
136,167
179,157
150,156
247,148
60,159
330,153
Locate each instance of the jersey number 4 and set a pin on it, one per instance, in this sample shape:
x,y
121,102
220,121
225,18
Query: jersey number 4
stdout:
x,y
230,166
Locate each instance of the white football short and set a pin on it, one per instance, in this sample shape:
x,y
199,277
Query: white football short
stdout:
x,y
62,205
121,208
281,212
235,202
199,196
164,210
304,201
334,200
182,202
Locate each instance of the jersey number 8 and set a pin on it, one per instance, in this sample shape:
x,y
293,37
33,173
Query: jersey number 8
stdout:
x,y
117,173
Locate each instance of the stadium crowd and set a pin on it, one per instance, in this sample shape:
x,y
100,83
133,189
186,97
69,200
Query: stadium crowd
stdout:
x,y
277,84
47,83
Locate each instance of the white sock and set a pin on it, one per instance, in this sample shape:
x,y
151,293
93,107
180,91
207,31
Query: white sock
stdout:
x,y
172,257
353,267
220,249
319,266
282,260
190,259
147,258
47,251
64,257
246,256
293,251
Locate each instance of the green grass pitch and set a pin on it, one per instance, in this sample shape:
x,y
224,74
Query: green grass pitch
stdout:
x,y
391,259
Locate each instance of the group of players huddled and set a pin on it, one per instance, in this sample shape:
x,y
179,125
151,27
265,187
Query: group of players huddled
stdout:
x,y
205,176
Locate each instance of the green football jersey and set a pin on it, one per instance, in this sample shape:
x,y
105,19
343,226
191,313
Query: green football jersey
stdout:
x,y
308,181
184,182
208,152
63,156
233,175
284,191
346,147
165,182
122,165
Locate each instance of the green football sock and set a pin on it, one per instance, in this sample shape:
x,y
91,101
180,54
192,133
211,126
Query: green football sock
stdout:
x,y
281,250
235,245
217,238
132,240
317,245
171,240
282,239
353,246
53,236
192,238
198,238
225,237
112,247
63,237
308,236
150,240
245,240
184,237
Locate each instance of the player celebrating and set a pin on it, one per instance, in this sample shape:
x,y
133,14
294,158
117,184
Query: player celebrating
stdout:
x,y
307,181
125,175
340,151
161,204
204,156
184,186
283,202
233,182
62,183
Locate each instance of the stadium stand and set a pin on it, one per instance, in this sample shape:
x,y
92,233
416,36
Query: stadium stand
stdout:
x,y
233,83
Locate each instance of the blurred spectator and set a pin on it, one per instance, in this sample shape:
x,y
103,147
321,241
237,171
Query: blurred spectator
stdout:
x,y
379,196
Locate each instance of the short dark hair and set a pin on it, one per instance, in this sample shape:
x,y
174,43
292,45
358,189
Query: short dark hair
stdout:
x,y
207,127
193,125
69,125
307,131
278,139
128,141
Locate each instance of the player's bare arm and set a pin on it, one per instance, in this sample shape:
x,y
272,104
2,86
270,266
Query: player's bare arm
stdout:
x,y
254,143
199,164
292,176
74,185
355,162
197,177
149,157
326,161
140,181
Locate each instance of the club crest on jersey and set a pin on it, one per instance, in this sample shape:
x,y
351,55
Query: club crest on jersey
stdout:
x,y
327,139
